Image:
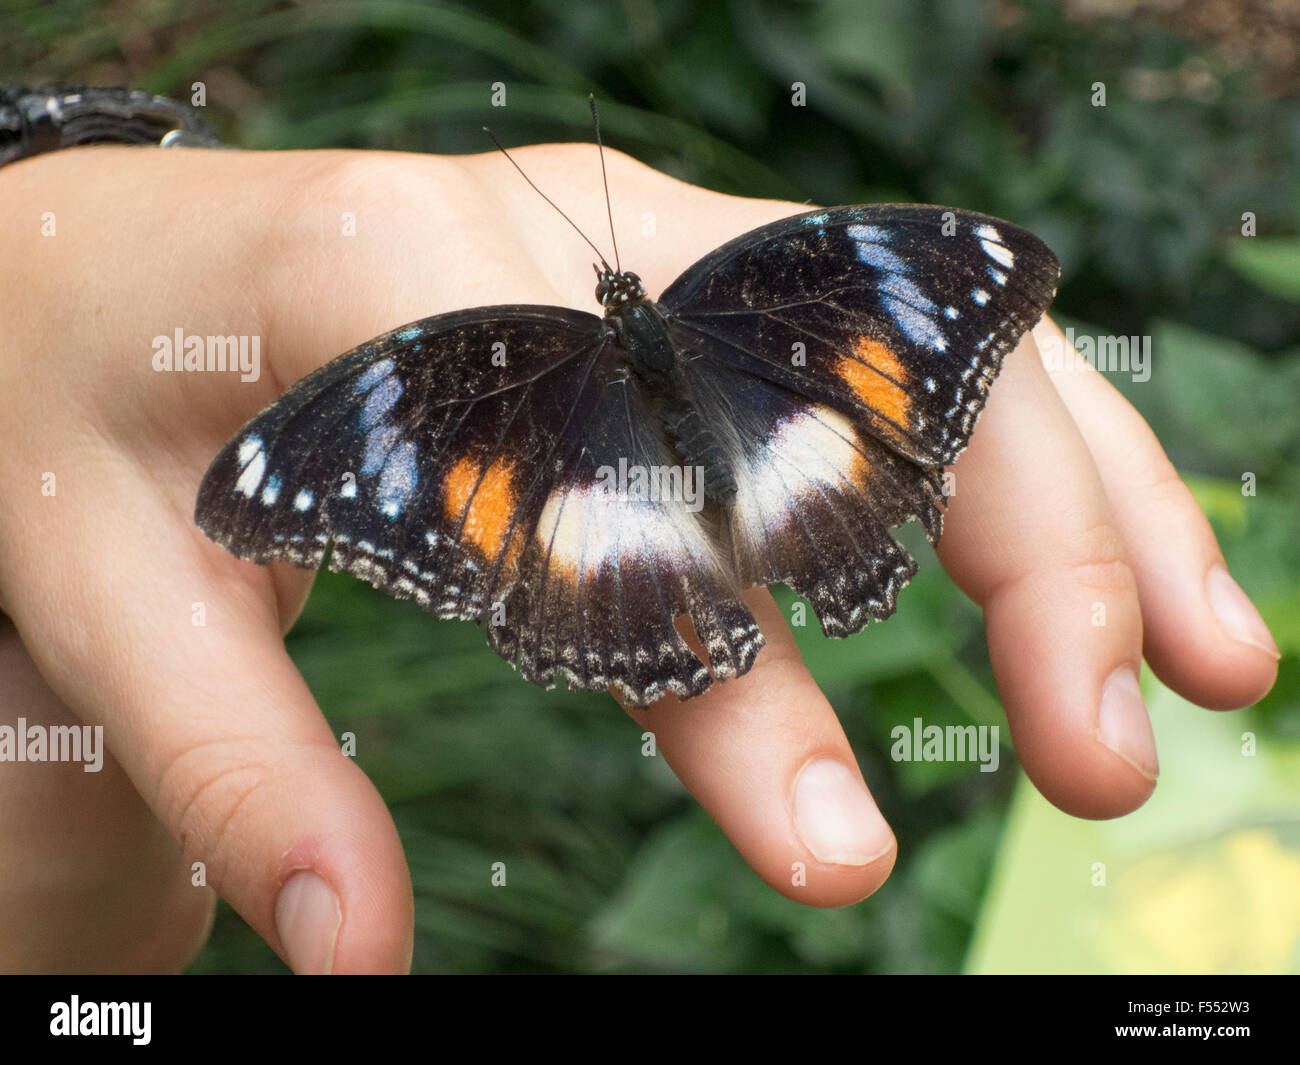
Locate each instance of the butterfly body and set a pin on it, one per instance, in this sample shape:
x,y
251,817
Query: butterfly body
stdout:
x,y
530,467
642,332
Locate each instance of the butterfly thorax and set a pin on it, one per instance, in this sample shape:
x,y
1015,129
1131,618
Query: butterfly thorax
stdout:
x,y
652,357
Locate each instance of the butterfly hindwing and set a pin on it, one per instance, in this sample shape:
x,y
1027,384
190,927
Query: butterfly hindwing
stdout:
x,y
816,498
897,316
613,560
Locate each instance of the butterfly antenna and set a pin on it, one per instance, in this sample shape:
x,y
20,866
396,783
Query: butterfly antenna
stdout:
x,y
595,121
543,195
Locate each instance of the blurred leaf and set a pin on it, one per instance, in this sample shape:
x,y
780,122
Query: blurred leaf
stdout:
x,y
482,33
1205,878
1272,264
1216,405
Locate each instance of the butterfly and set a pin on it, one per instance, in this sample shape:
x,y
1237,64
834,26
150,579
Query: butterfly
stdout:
x,y
575,482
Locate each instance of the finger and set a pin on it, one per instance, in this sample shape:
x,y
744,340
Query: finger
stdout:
x,y
1202,635
93,882
765,755
218,732
1029,536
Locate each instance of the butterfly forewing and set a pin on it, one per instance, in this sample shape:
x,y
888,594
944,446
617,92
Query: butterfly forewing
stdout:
x,y
896,316
844,356
421,455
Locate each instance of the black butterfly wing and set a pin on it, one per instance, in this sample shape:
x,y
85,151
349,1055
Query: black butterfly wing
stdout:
x,y
843,357
815,497
422,454
611,564
457,461
897,316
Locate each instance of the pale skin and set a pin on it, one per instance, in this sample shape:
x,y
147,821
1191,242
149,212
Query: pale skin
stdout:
x,y
219,752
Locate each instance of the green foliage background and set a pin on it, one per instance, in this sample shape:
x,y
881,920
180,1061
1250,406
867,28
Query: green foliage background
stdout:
x,y
982,105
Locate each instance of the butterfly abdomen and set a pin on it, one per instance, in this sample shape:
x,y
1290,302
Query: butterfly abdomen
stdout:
x,y
698,446
654,359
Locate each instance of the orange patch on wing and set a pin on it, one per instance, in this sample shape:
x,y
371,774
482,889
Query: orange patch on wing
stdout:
x,y
878,378
484,499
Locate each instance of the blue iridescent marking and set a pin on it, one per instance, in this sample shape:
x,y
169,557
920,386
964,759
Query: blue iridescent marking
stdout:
x,y
373,375
869,234
380,402
378,444
872,251
410,334
902,298
917,326
894,285
398,479
816,219
880,257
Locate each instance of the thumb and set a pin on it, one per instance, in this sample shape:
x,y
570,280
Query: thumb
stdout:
x,y
219,734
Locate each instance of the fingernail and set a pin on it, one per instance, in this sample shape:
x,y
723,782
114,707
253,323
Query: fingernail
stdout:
x,y
1123,724
835,816
1236,613
307,919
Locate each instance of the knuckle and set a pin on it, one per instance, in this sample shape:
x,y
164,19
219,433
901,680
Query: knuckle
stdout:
x,y
204,788
1092,555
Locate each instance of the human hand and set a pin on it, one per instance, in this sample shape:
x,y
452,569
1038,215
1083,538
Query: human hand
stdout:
x,y
1066,500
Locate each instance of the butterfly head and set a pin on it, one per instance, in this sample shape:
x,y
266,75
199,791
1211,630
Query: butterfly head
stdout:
x,y
616,289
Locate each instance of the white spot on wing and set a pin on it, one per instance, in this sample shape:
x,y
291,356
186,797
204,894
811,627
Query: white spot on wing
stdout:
x,y
398,479
249,447
252,475
871,242
1000,254
588,527
815,451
